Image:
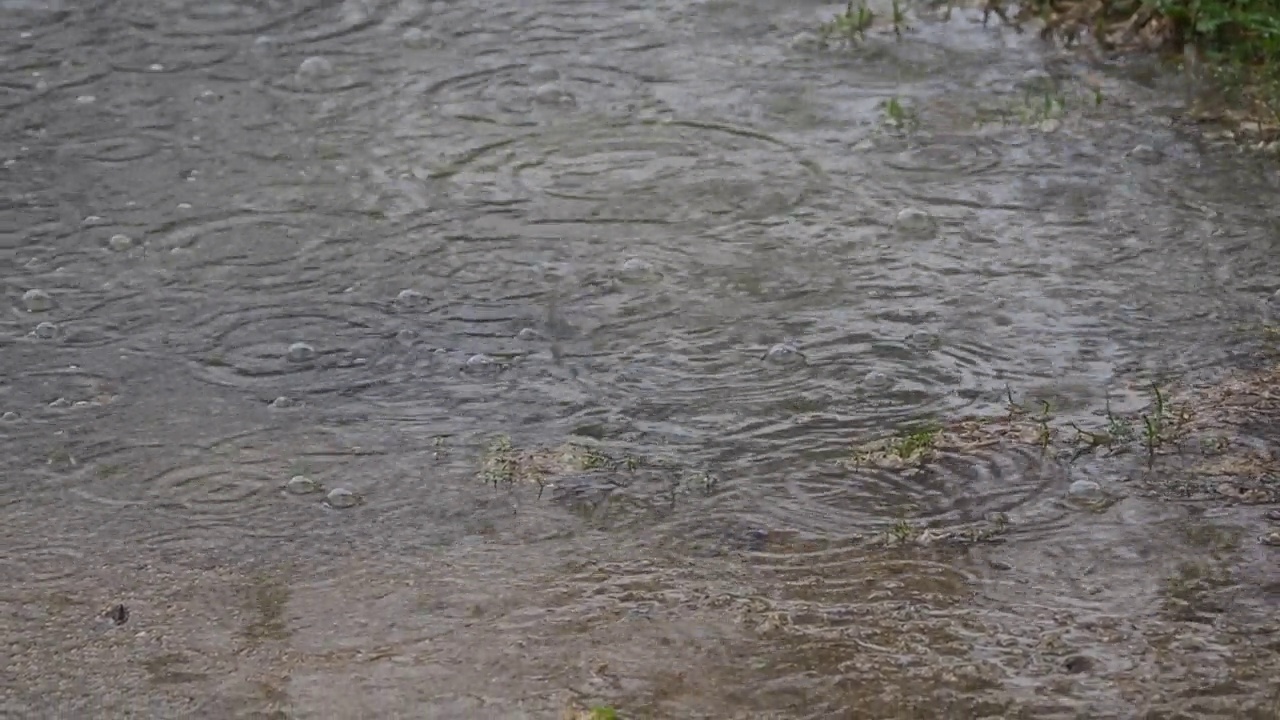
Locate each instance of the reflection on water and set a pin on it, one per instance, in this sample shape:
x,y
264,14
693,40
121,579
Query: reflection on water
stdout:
x,y
352,242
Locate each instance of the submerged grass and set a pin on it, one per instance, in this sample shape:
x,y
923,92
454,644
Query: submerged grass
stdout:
x,y
1193,433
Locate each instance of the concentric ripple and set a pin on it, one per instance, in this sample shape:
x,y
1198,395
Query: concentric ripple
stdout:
x,y
941,156
257,348
524,93
660,172
254,249
39,564
113,150
287,21
838,497
229,490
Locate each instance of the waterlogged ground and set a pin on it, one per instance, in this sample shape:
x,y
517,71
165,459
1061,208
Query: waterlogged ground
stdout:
x,y
456,359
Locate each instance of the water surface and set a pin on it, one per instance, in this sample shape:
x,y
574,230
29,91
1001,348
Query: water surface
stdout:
x,y
555,216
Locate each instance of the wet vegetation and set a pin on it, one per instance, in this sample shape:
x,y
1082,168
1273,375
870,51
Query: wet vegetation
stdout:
x,y
1230,49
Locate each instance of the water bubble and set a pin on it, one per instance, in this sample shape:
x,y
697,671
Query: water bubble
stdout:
x,y
408,297
91,221
36,300
155,67
283,403
86,99
540,73
876,380
419,38
784,354
407,335
1049,125
341,499
301,352
1144,154
120,242
60,403
1085,490
635,268
301,485
315,67
9,416
551,94
481,363
528,334
923,340
46,330
914,221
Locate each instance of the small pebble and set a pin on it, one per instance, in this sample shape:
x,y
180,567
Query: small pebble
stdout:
x,y
81,404
1050,125
60,403
784,354
1271,538
341,498
1085,490
117,615
86,99
283,403
120,243
91,220
301,485
315,67
1272,515
300,352
9,416
46,330
914,220
528,334
37,300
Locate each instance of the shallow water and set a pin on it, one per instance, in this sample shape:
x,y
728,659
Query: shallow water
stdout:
x,y
610,216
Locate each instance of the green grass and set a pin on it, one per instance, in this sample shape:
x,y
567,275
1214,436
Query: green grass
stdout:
x,y
1234,44
915,441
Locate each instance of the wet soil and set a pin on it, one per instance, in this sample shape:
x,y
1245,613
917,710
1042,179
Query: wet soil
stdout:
x,y
443,359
